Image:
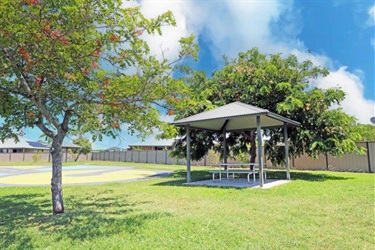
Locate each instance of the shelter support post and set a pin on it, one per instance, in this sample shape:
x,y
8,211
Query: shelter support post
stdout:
x,y
188,177
286,152
260,152
225,153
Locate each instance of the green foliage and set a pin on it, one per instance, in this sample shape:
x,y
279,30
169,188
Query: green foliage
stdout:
x,y
69,66
36,157
213,158
85,146
366,131
281,85
81,66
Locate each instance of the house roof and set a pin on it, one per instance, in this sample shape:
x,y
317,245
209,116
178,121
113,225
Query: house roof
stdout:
x,y
22,143
235,116
115,149
70,145
154,143
30,144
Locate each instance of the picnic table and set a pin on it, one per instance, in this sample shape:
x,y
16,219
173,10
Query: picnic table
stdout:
x,y
251,171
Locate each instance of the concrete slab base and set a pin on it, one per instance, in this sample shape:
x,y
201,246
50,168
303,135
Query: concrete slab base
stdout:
x,y
238,183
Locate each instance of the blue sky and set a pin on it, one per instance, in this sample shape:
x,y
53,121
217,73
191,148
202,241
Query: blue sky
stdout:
x,y
337,34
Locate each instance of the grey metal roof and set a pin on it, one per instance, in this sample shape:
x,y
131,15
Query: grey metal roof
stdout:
x,y
115,149
236,116
70,145
23,143
154,143
65,145
30,144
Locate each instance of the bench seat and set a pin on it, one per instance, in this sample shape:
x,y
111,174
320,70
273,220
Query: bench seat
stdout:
x,y
237,171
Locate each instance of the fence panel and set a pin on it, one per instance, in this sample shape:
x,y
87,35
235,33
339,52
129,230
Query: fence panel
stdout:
x,y
142,156
160,157
305,162
349,162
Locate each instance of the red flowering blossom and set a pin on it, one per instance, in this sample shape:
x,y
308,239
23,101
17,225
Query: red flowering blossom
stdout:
x,y
24,54
94,64
55,34
85,71
31,2
64,41
96,52
39,80
139,32
114,38
106,82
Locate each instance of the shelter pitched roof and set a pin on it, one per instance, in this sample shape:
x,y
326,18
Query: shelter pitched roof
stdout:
x,y
234,116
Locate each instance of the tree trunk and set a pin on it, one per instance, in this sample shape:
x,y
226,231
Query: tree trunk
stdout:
x,y
253,147
56,181
77,156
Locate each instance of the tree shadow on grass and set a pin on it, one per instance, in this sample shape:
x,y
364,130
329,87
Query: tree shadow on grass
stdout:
x,y
309,176
85,218
179,176
16,212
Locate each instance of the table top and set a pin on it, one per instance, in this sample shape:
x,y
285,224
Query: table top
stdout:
x,y
237,164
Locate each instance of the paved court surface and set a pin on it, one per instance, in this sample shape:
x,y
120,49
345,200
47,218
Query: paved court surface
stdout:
x,y
72,175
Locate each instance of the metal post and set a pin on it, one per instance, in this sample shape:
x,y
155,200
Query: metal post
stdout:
x,y
368,157
286,152
188,177
225,146
166,157
260,151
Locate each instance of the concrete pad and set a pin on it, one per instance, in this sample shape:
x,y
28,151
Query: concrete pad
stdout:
x,y
238,183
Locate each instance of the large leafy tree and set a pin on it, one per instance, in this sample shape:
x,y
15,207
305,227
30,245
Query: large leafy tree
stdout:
x,y
80,65
281,85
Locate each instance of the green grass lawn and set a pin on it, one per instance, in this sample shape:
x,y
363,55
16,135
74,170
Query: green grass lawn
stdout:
x,y
317,210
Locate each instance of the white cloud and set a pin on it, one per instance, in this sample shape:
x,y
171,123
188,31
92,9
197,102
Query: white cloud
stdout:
x,y
354,104
166,45
371,13
233,26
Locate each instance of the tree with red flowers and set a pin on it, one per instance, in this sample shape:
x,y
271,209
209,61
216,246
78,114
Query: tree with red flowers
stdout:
x,y
80,66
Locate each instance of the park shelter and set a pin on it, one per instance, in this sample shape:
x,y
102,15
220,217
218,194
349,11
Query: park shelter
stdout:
x,y
234,117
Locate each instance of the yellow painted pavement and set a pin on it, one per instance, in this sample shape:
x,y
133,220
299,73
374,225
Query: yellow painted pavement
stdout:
x,y
76,177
